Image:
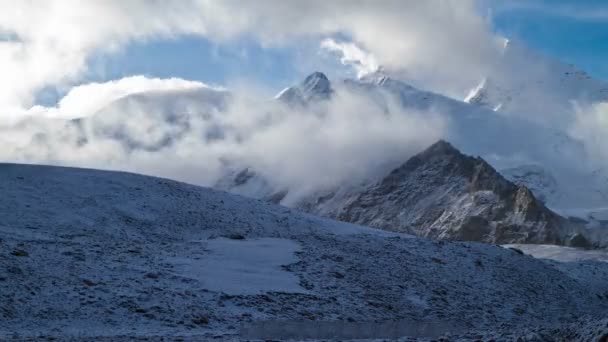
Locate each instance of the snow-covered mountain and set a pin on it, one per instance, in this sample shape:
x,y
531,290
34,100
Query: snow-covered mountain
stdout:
x,y
544,159
513,142
538,88
89,255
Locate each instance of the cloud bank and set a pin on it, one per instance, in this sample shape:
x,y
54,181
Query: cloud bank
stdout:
x,y
591,127
87,99
195,133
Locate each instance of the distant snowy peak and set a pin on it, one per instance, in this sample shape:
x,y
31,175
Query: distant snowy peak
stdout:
x,y
316,83
527,82
315,86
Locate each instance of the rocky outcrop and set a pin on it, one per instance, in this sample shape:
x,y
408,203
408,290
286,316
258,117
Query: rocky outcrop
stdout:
x,y
442,193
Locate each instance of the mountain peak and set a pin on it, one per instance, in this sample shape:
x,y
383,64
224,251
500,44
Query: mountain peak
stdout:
x,y
441,147
317,75
314,86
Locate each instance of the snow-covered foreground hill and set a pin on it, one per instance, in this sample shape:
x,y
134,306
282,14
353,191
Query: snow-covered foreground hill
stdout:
x,y
88,254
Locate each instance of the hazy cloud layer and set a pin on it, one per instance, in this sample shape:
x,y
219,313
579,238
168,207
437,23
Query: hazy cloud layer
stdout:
x,y
190,134
87,99
591,127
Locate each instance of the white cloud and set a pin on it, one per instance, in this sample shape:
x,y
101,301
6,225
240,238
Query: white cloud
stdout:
x,y
189,134
50,41
350,54
591,127
85,100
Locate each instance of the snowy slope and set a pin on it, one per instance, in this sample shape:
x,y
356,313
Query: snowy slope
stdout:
x,y
90,254
539,180
561,253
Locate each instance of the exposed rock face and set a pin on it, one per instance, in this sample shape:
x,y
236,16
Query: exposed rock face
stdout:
x,y
441,193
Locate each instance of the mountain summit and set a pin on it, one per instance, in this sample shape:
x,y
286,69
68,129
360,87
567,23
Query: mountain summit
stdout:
x,y
315,86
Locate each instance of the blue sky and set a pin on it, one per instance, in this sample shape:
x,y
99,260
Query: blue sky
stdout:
x,y
573,31
197,58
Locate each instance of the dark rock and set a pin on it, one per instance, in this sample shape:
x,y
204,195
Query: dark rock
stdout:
x,y
200,320
578,240
20,253
152,275
236,236
517,250
88,282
